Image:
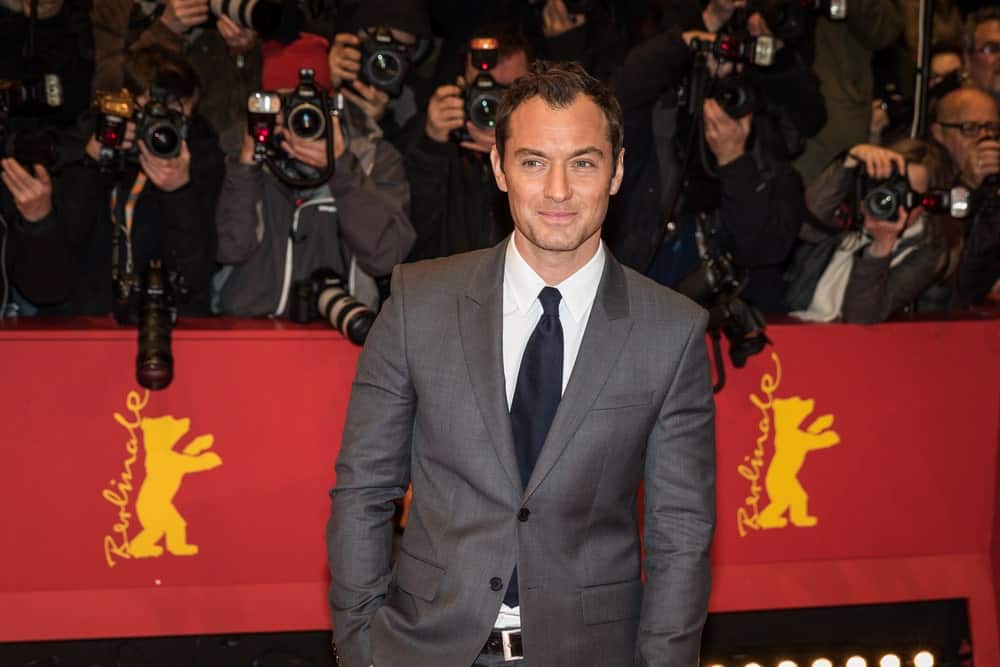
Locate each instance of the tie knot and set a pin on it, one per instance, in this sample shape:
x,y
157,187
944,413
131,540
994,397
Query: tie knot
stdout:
x,y
550,298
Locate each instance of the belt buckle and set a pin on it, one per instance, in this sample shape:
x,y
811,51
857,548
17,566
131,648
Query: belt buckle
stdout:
x,y
512,647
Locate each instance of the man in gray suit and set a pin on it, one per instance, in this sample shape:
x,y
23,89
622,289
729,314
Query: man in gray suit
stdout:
x,y
526,391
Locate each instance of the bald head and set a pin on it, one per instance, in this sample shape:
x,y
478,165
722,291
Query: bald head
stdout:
x,y
951,106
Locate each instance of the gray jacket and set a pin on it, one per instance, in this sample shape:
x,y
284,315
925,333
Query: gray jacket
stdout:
x,y
270,236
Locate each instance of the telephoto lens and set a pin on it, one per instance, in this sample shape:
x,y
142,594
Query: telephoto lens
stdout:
x,y
263,16
154,364
336,305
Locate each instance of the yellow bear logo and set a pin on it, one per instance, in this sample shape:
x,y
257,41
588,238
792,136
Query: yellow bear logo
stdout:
x,y
791,444
165,468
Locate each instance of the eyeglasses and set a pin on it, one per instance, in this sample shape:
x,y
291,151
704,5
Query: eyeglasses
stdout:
x,y
972,129
988,49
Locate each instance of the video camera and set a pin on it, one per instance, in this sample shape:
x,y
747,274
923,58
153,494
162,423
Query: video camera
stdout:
x,y
324,295
161,128
883,198
149,300
305,112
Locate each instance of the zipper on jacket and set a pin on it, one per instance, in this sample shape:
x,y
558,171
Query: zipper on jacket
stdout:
x,y
286,283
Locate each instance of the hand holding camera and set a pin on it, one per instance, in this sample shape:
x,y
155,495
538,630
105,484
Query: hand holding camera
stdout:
x,y
313,151
879,163
182,15
725,136
237,38
344,58
168,174
445,113
984,160
32,193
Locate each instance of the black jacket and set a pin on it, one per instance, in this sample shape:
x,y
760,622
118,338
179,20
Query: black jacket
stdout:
x,y
758,197
979,267
456,205
176,227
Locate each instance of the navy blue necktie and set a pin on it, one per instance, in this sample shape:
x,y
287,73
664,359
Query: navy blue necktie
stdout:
x,y
536,397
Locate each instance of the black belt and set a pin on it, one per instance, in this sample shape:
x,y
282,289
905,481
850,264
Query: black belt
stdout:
x,y
506,643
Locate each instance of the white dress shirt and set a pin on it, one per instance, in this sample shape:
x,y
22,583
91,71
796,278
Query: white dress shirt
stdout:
x,y
521,312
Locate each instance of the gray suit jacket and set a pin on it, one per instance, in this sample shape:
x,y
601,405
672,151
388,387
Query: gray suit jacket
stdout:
x,y
429,407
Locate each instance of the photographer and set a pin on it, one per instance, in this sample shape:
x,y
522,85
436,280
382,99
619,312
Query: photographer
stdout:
x,y
381,89
274,233
967,124
220,50
697,164
886,259
139,207
456,204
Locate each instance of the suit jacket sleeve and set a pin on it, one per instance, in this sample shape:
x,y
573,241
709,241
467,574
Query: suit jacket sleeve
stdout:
x,y
679,513
372,472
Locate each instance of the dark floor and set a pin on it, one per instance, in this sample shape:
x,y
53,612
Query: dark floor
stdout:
x,y
732,640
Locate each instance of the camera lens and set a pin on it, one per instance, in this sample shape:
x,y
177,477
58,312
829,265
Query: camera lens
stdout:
x,y
306,122
882,203
483,110
385,67
163,140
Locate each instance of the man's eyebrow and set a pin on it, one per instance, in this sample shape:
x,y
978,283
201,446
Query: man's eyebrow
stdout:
x,y
522,152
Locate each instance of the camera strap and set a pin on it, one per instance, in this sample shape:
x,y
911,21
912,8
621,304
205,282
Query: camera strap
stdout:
x,y
123,228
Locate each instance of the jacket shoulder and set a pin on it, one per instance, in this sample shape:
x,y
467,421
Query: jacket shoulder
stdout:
x,y
649,301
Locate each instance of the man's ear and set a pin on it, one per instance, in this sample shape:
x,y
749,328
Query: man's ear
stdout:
x,y
619,173
498,169
937,132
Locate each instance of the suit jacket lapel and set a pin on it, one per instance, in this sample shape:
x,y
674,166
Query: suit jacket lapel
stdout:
x,y
481,325
607,330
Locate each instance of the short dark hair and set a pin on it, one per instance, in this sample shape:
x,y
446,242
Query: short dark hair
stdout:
x,y
972,21
159,67
559,84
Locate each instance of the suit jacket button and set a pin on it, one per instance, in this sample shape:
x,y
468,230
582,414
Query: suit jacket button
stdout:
x,y
523,514
496,583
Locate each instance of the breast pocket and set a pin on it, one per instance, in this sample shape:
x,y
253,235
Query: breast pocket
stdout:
x,y
619,401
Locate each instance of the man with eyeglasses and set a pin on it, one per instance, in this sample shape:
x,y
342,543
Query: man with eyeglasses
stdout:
x,y
981,42
968,124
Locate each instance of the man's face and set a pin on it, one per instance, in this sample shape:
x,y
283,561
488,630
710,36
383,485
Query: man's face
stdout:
x,y
558,172
977,109
507,71
984,68
942,65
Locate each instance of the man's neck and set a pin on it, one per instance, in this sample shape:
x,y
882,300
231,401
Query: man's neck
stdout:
x,y
554,266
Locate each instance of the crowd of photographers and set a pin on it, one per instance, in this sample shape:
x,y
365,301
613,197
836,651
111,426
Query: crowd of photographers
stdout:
x,y
279,157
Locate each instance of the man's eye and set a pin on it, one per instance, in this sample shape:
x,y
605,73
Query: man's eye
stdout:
x,y
583,164
531,163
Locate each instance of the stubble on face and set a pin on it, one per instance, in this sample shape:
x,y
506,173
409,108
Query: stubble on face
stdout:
x,y
558,172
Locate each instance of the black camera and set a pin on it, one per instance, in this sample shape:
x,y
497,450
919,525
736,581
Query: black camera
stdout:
x,y
735,94
482,94
385,62
753,50
325,296
305,112
33,97
791,20
149,301
161,128
882,199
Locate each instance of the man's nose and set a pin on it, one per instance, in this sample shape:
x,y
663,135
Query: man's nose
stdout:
x,y
557,186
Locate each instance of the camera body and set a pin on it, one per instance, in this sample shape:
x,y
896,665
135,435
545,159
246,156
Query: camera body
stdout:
x,y
752,50
30,97
882,199
735,94
303,112
149,301
161,128
482,94
791,20
385,62
325,296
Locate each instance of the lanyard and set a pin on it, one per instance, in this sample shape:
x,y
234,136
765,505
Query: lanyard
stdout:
x,y
126,227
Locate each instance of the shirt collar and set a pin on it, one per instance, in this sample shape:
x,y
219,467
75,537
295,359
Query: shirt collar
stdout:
x,y
522,284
